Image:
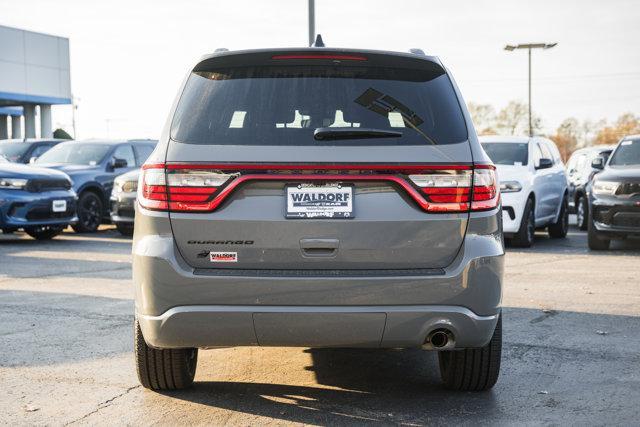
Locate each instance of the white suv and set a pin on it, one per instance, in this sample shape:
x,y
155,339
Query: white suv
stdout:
x,y
533,184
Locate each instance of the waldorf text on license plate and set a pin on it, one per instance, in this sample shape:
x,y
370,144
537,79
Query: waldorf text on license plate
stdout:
x,y
324,201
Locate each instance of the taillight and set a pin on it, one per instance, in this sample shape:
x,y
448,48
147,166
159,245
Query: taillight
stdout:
x,y
486,191
458,190
445,190
203,187
181,190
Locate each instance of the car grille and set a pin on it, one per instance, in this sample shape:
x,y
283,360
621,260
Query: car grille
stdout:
x,y
40,185
628,189
623,219
128,213
42,213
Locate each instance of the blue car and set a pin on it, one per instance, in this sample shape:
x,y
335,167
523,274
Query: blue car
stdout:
x,y
25,151
93,165
39,201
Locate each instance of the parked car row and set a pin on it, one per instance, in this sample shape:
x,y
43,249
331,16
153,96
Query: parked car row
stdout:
x,y
601,185
68,184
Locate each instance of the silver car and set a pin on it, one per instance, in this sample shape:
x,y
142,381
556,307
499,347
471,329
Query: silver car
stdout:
x,y
321,198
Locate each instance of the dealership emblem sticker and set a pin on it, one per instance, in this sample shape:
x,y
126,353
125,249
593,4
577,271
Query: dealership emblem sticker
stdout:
x,y
223,256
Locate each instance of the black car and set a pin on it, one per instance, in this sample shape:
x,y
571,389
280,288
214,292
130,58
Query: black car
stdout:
x,y
123,199
25,151
580,173
614,195
93,165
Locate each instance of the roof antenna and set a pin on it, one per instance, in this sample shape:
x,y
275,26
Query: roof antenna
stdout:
x,y
318,42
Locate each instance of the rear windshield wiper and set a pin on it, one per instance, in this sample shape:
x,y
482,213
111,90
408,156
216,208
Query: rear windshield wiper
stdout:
x,y
323,134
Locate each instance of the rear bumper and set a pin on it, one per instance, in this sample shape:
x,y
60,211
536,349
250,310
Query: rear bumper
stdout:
x,y
303,326
178,306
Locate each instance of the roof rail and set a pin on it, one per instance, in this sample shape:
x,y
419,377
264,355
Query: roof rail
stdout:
x,y
221,49
417,51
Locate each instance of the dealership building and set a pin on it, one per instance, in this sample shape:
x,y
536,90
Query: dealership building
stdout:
x,y
34,75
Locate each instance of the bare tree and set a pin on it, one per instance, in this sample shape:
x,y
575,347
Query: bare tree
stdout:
x,y
627,124
566,137
483,116
514,119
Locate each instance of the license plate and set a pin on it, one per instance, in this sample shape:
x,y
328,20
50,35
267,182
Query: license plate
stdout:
x,y
319,201
59,206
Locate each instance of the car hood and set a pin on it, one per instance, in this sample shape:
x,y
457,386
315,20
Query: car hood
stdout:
x,y
129,176
620,173
512,173
17,170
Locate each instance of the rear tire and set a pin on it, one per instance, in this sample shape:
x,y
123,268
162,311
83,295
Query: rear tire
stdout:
x,y
525,235
559,229
582,213
125,229
168,369
596,242
44,232
473,369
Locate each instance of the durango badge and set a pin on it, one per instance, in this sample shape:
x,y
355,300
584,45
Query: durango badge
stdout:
x,y
223,256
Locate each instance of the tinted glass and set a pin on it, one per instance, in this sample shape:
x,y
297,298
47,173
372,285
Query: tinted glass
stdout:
x,y
284,105
125,152
40,150
627,153
143,152
13,151
76,153
507,153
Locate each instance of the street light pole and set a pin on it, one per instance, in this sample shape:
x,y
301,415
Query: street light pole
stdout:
x,y
530,124
529,47
312,22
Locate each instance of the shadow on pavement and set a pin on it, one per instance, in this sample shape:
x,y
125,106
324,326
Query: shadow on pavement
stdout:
x,y
553,363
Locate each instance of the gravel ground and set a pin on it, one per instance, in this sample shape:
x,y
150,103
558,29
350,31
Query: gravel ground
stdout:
x,y
571,351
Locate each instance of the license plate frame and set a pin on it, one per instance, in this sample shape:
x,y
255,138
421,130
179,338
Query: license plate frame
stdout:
x,y
58,206
324,201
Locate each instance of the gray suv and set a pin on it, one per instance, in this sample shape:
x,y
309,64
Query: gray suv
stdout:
x,y
321,198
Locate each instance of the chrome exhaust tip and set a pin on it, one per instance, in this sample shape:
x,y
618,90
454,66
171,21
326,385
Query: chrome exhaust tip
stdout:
x,y
440,339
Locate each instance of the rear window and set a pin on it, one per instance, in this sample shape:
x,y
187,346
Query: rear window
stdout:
x,y
285,105
507,153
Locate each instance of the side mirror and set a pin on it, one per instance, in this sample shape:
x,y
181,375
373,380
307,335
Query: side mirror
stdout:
x,y
598,163
545,163
117,163
33,159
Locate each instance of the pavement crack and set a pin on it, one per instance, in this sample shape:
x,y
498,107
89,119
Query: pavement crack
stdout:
x,y
103,405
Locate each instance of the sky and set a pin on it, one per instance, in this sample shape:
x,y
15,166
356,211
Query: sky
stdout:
x,y
128,58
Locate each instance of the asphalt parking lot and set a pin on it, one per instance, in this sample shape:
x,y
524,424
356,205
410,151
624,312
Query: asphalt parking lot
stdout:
x,y
571,352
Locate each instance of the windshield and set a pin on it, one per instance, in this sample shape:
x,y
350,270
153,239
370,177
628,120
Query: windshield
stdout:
x,y
13,151
75,153
285,105
508,153
627,153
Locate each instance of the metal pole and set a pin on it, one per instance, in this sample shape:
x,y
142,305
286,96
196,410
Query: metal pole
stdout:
x,y
530,126
312,21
